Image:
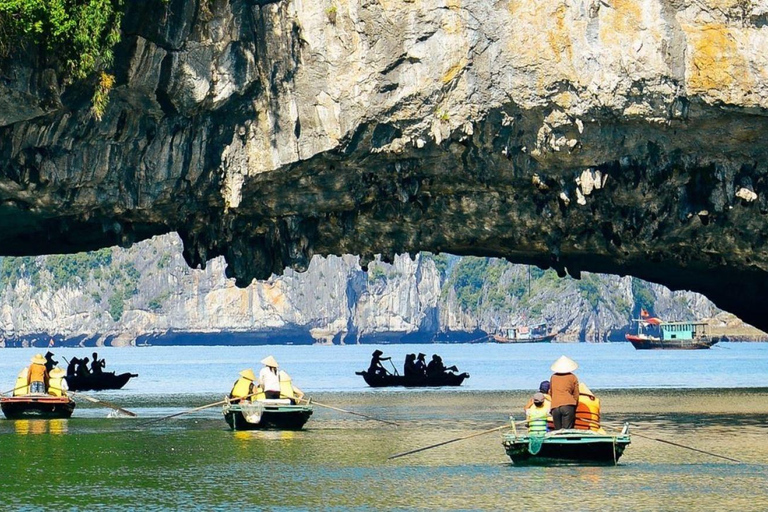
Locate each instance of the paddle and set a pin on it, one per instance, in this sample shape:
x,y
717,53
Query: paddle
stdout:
x,y
344,410
14,389
102,402
489,431
202,407
682,446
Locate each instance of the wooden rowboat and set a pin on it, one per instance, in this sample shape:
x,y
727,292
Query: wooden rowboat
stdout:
x,y
584,447
383,381
98,381
37,406
266,414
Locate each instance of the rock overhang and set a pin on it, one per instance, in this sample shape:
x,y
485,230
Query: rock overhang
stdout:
x,y
271,132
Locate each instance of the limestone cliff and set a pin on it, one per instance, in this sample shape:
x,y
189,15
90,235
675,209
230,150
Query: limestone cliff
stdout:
x,y
147,294
618,136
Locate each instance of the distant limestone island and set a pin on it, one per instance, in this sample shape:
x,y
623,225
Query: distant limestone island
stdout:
x,y
724,327
147,295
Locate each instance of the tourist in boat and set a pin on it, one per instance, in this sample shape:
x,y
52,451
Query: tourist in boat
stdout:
x,y
421,364
564,389
72,366
376,368
544,390
97,366
22,383
57,385
436,366
587,410
537,414
37,378
269,378
288,390
243,386
409,368
49,362
82,367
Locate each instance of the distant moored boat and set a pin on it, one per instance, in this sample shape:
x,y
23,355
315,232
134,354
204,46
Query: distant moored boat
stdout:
x,y
533,334
654,334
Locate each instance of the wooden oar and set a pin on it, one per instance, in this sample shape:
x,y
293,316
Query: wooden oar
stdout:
x,y
680,445
346,411
202,407
489,431
687,447
14,389
102,402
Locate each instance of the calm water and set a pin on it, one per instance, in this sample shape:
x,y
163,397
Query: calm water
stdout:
x,y
95,462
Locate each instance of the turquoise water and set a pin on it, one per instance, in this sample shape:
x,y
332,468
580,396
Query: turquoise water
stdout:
x,y
491,366
95,461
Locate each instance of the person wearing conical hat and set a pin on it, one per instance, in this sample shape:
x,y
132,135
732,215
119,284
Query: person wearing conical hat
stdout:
x,y
57,385
269,378
376,368
243,386
564,390
37,377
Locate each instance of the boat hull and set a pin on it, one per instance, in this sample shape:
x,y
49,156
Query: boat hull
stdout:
x,y
270,416
534,339
648,343
98,382
384,381
583,447
37,407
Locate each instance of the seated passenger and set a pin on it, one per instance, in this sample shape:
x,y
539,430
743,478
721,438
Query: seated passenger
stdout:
x,y
82,367
57,384
421,365
537,414
72,366
288,390
587,410
409,368
436,366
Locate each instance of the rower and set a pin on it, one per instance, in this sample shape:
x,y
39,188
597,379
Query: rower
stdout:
x,y
37,377
244,385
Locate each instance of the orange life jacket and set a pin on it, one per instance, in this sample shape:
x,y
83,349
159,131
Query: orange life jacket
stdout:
x,y
587,410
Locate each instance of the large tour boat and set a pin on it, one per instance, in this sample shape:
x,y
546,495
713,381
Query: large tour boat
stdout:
x,y
653,334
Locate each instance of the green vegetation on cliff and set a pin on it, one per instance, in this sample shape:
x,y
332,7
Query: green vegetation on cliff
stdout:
x,y
78,33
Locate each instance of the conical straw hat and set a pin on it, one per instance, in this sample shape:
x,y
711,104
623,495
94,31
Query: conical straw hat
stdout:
x,y
584,390
269,361
248,374
564,365
38,359
58,372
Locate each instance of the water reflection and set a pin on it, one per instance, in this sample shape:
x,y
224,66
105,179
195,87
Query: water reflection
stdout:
x,y
35,427
340,461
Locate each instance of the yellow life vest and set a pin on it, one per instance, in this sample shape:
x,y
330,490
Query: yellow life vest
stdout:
x,y
21,387
54,386
241,388
286,388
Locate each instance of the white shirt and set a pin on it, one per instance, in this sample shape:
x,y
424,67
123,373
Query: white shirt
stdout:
x,y
269,380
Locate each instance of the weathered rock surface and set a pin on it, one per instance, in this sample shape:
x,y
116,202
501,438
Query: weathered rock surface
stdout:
x,y
624,137
147,294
